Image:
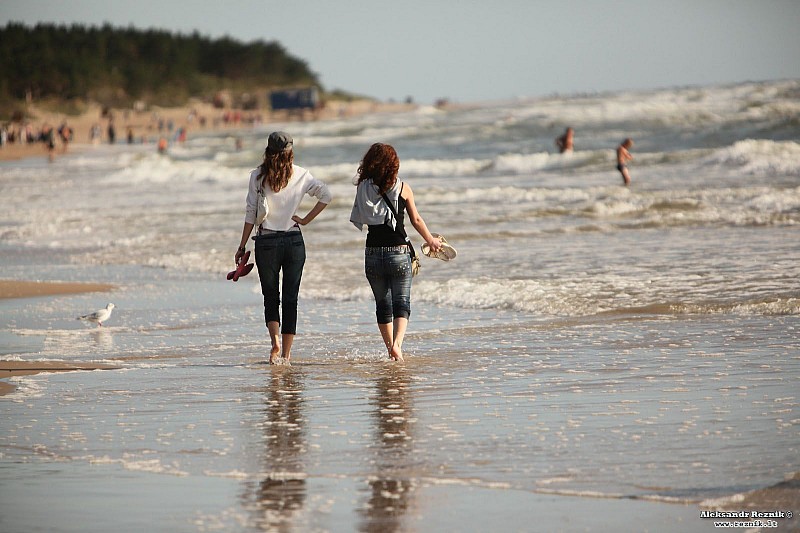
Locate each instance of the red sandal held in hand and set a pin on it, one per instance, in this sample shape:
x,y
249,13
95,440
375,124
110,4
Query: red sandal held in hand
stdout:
x,y
242,269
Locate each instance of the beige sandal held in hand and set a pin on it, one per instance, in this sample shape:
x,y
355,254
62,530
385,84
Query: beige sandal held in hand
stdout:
x,y
445,253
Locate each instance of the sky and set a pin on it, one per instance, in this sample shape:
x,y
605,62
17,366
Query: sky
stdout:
x,y
469,50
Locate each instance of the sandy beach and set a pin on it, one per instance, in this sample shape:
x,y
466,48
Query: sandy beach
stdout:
x,y
597,357
28,289
31,289
194,117
19,368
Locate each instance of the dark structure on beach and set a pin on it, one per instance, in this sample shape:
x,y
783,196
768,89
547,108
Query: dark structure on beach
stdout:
x,y
294,99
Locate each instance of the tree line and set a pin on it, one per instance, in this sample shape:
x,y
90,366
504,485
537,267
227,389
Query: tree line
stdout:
x,y
119,65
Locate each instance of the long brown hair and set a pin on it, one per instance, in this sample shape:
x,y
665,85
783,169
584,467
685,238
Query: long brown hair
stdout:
x,y
276,169
380,164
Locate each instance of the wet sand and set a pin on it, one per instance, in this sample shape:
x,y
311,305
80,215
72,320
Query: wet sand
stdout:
x,y
30,289
783,496
624,422
28,368
466,435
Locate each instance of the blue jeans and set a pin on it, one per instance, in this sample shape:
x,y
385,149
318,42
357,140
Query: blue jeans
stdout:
x,y
276,252
388,271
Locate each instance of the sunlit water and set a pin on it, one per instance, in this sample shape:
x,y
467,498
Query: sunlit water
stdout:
x,y
589,339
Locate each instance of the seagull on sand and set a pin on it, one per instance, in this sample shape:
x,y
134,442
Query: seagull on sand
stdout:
x,y
98,316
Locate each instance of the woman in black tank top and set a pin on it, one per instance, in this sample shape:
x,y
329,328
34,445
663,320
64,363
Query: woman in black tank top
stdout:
x,y
383,234
387,261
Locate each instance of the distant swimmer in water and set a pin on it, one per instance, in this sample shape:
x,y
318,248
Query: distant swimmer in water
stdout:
x,y
564,142
623,156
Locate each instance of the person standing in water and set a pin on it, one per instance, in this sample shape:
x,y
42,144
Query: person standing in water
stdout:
x,y
387,258
279,243
623,156
565,141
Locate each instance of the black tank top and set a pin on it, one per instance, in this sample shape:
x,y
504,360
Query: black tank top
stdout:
x,y
383,234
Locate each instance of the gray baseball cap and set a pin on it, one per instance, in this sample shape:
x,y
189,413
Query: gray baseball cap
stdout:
x,y
279,141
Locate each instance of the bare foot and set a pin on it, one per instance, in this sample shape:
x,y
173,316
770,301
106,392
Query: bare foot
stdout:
x,y
285,361
273,355
396,353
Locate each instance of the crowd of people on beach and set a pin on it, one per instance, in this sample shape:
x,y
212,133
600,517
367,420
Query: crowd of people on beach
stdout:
x,y
46,135
157,129
27,134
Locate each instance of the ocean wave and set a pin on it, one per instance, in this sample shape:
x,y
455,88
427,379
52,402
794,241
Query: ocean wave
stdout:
x,y
750,157
594,494
760,157
755,209
508,164
772,307
523,164
684,107
136,463
732,206
147,169
774,497
513,164
530,296
566,299
444,167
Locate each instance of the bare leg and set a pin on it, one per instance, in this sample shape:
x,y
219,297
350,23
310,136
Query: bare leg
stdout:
x,y
396,351
288,340
626,177
274,331
386,333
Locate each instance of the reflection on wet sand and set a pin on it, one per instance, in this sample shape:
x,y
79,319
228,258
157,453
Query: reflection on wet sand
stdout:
x,y
103,339
391,484
280,495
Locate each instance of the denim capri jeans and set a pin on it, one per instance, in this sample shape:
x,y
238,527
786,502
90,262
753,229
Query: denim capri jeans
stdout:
x,y
388,270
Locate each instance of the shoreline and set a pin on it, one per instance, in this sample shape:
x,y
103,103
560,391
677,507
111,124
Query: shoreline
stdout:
x,y
14,289
9,369
31,289
149,127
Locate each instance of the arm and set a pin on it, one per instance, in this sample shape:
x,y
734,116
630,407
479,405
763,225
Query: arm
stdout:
x,y
320,191
252,198
416,220
246,231
249,217
316,210
625,155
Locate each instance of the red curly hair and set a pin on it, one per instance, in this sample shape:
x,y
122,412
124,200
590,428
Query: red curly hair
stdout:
x,y
380,164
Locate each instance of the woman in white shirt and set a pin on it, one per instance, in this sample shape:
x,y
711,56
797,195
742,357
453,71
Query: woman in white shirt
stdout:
x,y
279,243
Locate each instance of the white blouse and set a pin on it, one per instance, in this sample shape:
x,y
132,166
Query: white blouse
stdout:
x,y
282,205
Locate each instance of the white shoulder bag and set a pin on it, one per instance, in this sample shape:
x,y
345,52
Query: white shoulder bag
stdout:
x,y
261,206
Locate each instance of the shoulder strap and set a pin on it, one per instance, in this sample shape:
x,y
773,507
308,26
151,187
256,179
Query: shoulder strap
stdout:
x,y
402,232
